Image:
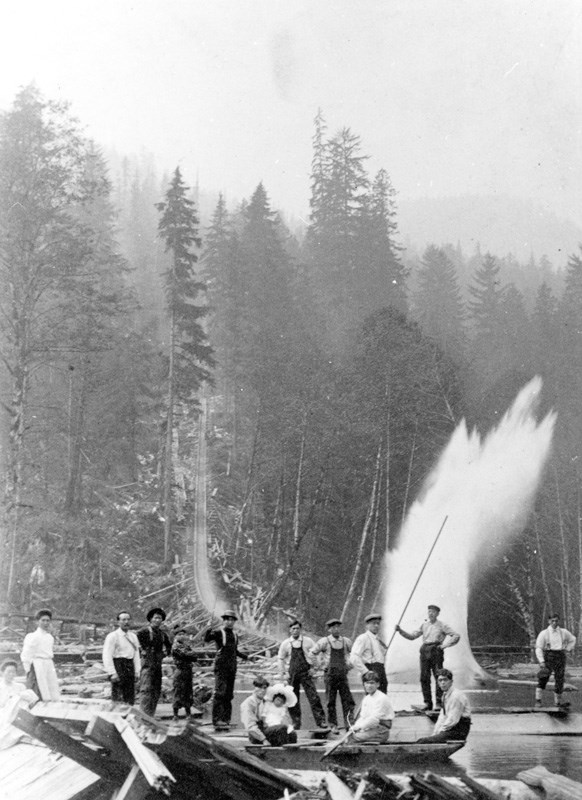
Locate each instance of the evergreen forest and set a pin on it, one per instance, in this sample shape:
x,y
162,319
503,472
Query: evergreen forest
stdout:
x,y
327,365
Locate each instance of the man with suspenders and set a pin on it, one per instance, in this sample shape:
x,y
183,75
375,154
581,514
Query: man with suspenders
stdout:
x,y
335,650
295,662
226,641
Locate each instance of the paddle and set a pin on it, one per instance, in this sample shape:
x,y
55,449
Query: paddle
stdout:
x,y
339,742
417,582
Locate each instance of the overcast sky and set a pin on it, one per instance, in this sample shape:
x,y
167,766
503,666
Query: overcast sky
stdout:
x,y
478,96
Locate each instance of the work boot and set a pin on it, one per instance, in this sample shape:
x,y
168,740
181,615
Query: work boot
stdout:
x,y
558,699
538,702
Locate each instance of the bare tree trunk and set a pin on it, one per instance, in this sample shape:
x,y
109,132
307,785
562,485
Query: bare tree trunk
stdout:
x,y
524,604
76,424
370,562
168,454
387,467
409,472
542,565
364,536
297,503
566,587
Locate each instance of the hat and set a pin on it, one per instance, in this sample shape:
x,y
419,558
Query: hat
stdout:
x,y
286,691
436,608
153,611
229,613
373,615
331,622
295,622
260,680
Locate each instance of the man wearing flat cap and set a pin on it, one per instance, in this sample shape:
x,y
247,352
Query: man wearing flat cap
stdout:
x,y
369,651
154,644
226,641
334,652
436,636
295,663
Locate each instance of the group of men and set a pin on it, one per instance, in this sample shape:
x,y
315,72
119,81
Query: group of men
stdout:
x,y
131,657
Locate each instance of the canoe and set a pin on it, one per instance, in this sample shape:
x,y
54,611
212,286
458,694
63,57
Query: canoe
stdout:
x,y
511,721
355,756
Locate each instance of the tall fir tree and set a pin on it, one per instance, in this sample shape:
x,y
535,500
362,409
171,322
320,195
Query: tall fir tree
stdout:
x,y
189,354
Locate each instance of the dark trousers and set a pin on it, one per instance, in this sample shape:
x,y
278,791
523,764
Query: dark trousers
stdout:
x,y
223,694
338,682
431,660
555,661
378,668
277,735
297,680
150,688
123,690
458,733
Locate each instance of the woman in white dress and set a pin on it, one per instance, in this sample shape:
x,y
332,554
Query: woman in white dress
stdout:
x,y
37,659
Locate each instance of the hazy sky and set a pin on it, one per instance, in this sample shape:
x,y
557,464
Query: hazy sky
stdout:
x,y
450,96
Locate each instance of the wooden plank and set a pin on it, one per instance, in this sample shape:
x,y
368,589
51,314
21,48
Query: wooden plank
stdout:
x,y
555,786
135,786
151,765
62,743
480,791
336,788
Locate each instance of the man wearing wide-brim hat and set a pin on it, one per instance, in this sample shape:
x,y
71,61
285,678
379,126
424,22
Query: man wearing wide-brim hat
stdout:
x,y
154,644
226,641
369,651
334,653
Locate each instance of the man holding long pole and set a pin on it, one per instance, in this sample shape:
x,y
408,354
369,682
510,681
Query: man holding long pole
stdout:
x,y
436,636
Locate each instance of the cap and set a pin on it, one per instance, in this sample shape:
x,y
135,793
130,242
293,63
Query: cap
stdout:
x,y
331,622
373,615
229,614
436,608
153,611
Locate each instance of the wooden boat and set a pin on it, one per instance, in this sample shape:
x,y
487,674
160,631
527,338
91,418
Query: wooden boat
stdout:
x,y
308,755
508,721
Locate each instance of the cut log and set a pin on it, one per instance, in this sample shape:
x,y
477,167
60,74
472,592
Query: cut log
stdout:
x,y
480,791
151,765
556,787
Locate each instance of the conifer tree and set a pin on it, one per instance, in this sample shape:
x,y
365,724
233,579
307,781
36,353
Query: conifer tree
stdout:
x,y
438,305
189,355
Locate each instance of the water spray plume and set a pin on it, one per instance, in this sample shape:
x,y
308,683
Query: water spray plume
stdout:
x,y
485,488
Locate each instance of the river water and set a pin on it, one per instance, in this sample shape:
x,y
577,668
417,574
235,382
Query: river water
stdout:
x,y
488,755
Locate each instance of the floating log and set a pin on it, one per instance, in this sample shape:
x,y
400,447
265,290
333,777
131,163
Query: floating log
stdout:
x,y
556,787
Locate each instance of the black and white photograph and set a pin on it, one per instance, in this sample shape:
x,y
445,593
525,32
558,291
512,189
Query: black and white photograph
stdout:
x,y
291,400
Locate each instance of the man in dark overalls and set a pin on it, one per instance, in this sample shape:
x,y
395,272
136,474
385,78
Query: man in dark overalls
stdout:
x,y
335,651
226,641
154,644
295,662
436,637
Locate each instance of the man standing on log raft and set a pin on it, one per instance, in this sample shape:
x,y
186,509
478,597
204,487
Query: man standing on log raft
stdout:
x,y
436,636
155,644
369,651
121,660
335,652
295,663
552,645
225,663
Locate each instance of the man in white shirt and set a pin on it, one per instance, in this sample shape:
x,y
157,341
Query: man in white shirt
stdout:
x,y
436,637
376,713
37,659
121,660
552,645
369,651
251,711
454,720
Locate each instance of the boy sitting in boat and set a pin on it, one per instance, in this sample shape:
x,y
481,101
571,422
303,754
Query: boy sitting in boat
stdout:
x,y
251,711
454,720
376,713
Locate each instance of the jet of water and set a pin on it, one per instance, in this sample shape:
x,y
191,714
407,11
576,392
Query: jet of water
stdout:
x,y
486,489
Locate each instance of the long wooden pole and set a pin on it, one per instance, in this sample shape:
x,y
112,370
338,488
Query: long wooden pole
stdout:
x,y
417,582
